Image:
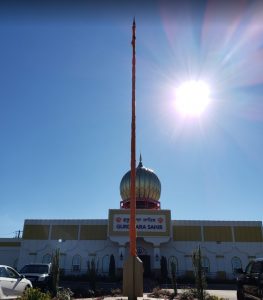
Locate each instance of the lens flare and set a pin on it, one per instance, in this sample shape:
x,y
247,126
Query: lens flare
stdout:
x,y
192,98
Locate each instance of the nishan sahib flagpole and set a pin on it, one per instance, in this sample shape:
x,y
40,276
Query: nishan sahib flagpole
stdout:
x,y
133,266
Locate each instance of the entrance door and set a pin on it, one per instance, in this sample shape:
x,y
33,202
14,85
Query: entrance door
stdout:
x,y
146,259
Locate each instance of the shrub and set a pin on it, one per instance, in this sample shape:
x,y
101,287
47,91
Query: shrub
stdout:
x,y
35,294
116,292
186,295
192,294
112,268
164,270
92,274
64,294
55,271
155,293
200,279
213,297
173,274
159,293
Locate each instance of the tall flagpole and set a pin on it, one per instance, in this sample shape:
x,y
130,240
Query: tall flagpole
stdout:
x,y
132,226
133,266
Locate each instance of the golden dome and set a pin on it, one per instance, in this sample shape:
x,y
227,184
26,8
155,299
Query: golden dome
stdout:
x,y
148,188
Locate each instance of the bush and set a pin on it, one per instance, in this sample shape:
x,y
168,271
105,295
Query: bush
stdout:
x,y
35,294
213,297
112,268
92,274
159,293
55,271
164,270
187,295
200,278
64,294
173,274
116,292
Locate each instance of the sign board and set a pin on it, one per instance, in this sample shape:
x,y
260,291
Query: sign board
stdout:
x,y
148,222
156,223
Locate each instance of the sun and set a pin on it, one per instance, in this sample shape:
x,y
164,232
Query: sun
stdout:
x,y
192,98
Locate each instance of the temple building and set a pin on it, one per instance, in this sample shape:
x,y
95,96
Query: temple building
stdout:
x,y
225,245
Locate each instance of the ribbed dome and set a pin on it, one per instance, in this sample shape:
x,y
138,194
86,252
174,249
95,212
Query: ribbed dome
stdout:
x,y
148,188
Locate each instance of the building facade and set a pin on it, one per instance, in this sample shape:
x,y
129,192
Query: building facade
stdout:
x,y
225,245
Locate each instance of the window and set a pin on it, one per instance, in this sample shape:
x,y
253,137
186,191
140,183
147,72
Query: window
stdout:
x,y
11,273
251,258
105,263
257,267
62,261
3,272
205,264
236,264
35,268
76,263
46,259
15,263
249,266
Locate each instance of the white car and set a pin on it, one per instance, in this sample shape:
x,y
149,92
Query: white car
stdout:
x,y
12,284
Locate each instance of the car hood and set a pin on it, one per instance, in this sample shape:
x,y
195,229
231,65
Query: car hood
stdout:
x,y
35,274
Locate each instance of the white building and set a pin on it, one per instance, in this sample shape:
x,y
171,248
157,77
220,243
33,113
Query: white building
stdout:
x,y
225,245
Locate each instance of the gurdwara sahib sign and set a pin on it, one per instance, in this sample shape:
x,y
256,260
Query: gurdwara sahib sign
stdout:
x,y
148,222
156,223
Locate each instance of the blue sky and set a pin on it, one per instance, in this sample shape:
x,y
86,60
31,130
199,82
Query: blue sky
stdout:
x,y
65,108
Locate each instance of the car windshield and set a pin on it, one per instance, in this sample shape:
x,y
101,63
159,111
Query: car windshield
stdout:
x,y
34,269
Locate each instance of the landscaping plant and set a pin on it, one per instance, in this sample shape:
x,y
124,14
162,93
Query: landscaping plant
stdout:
x,y
200,279
112,268
92,274
35,294
173,275
64,294
164,271
55,272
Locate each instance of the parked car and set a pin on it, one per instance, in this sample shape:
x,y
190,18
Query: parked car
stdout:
x,y
12,284
250,281
38,274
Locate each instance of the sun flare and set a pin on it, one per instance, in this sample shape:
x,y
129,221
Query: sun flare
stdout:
x,y
192,98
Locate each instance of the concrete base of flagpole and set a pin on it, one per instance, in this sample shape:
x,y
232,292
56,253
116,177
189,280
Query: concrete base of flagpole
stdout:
x,y
133,278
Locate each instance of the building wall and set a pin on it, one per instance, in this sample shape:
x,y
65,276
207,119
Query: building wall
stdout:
x,y
220,257
9,251
34,252
225,245
79,241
